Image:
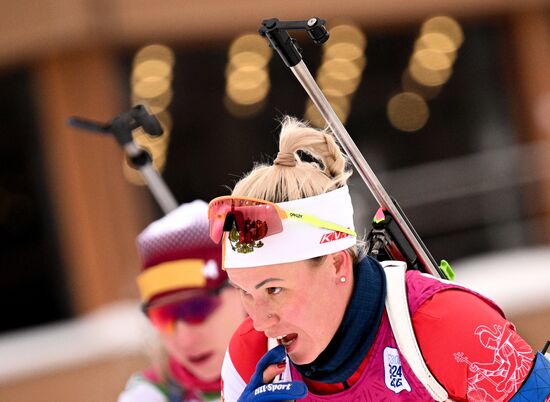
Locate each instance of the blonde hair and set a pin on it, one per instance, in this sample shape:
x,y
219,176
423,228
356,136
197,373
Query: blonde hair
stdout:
x,y
289,177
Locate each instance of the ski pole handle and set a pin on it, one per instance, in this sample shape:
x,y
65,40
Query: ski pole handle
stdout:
x,y
121,127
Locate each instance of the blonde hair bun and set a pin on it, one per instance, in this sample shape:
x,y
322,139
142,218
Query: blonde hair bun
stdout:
x,y
290,177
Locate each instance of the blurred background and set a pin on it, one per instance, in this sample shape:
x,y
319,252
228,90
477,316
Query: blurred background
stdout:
x,y
448,100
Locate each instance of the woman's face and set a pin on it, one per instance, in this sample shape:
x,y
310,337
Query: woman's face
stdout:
x,y
200,348
300,303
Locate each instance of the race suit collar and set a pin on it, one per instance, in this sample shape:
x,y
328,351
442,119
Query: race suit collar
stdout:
x,y
358,329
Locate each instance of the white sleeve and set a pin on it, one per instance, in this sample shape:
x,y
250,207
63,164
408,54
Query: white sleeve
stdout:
x,y
233,384
138,389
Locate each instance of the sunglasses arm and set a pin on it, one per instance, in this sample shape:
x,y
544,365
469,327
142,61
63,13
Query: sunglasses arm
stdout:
x,y
276,33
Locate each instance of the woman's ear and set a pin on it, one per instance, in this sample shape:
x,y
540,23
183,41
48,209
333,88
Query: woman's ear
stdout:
x,y
343,265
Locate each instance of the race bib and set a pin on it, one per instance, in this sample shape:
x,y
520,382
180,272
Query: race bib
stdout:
x,y
393,372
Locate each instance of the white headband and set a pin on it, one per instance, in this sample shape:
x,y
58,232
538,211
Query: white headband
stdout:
x,y
300,240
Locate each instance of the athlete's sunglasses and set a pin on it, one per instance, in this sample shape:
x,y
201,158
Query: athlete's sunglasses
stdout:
x,y
255,219
193,310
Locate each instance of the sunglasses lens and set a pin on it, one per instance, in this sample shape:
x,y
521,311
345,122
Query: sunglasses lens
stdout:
x,y
192,311
253,220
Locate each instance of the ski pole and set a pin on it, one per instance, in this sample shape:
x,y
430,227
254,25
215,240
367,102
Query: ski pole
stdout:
x,y
276,32
121,127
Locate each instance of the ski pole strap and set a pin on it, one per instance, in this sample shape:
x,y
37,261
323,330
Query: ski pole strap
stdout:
x,y
401,324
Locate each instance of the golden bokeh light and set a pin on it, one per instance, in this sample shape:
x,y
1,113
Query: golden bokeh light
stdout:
x,y
444,25
338,99
340,69
347,87
151,87
251,42
156,104
427,76
347,33
247,78
165,120
431,59
430,66
344,50
151,68
243,111
408,111
437,41
340,72
155,52
411,85
247,95
247,58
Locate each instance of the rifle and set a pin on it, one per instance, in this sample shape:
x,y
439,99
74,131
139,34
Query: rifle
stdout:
x,y
392,235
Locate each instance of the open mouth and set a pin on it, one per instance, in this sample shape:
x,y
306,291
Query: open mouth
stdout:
x,y
202,358
287,340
